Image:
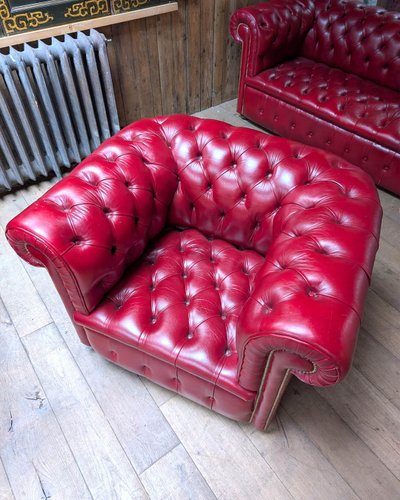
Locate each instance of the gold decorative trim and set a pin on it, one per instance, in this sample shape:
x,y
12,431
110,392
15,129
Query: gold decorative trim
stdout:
x,y
24,21
87,8
85,24
126,5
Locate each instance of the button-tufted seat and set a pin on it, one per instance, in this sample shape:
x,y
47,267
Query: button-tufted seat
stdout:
x,y
326,73
216,261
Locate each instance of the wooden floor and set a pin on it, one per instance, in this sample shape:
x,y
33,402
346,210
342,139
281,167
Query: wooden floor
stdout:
x,y
73,426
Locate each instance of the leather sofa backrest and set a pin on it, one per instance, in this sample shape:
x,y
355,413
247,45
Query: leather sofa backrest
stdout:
x,y
358,39
232,181
278,28
248,188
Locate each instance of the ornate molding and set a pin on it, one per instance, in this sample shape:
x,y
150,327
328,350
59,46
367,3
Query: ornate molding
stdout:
x,y
87,8
23,21
119,6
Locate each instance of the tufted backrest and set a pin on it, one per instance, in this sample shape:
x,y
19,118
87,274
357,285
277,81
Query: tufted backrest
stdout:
x,y
361,40
233,183
278,28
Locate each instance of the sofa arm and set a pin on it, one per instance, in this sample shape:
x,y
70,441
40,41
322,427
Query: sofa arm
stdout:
x,y
286,314
308,297
271,32
96,221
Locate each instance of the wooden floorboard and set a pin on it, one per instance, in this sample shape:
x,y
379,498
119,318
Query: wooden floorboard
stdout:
x,y
176,472
356,401
74,426
105,466
371,356
297,461
34,452
5,487
357,464
26,309
226,457
382,321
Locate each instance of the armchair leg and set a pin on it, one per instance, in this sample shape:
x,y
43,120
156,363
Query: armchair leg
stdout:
x,y
276,377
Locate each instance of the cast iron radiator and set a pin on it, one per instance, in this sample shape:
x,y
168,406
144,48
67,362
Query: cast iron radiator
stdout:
x,y
57,104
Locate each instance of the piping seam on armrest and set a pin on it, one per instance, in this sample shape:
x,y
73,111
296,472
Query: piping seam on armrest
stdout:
x,y
53,256
283,350
288,370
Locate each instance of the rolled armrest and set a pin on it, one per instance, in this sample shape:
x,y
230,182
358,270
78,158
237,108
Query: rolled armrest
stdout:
x,y
308,297
271,32
320,330
95,222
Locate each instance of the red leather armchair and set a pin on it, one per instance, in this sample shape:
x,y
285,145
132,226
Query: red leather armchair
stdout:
x,y
216,261
326,73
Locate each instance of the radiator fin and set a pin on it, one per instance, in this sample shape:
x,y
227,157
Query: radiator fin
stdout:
x,y
57,104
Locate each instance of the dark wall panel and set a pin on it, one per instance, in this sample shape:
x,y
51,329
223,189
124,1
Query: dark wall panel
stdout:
x,y
180,62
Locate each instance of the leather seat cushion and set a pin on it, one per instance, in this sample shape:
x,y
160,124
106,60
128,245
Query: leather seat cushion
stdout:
x,y
180,304
356,104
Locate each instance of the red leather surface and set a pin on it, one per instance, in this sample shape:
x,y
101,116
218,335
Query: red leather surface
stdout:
x,y
343,99
188,250
310,275
103,214
271,32
201,391
361,40
378,161
181,303
340,64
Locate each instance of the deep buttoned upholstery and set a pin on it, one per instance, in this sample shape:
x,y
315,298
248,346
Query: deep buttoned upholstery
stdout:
x,y
326,73
214,260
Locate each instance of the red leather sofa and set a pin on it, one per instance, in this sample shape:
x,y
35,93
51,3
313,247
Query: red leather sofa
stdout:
x,y
216,261
326,73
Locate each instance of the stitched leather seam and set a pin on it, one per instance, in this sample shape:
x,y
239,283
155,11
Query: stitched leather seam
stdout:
x,y
282,336
223,358
287,373
315,366
326,119
312,237
329,296
359,228
55,256
321,294
137,348
328,208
